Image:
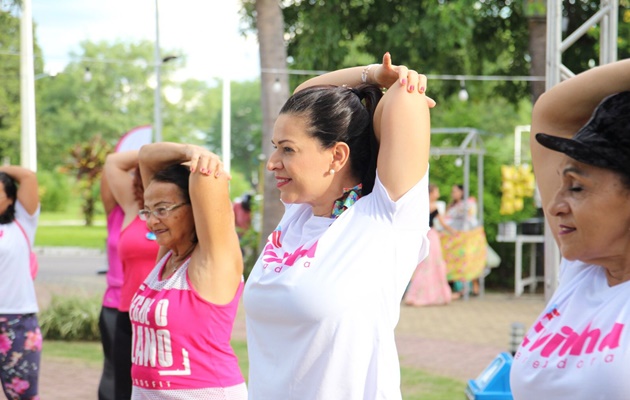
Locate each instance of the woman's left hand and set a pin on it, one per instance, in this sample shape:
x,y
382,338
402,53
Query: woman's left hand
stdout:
x,y
205,162
388,74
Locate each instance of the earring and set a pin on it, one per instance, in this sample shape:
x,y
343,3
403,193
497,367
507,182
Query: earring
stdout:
x,y
331,172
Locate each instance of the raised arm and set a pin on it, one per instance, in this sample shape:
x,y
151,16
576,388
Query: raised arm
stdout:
x,y
107,197
216,266
117,175
28,188
401,120
564,109
402,124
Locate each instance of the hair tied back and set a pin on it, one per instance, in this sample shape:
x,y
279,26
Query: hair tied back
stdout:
x,y
359,94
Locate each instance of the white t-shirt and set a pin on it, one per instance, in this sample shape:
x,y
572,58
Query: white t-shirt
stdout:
x,y
579,348
323,299
17,292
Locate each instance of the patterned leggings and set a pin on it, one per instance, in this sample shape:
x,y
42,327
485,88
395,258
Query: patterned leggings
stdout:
x,y
20,354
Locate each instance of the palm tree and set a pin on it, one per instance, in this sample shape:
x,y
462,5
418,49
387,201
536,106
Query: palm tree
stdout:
x,y
536,12
273,63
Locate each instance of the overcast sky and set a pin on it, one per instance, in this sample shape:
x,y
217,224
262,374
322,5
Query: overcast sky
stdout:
x,y
205,30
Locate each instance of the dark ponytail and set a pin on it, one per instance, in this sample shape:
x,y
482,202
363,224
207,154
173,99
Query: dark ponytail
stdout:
x,y
10,189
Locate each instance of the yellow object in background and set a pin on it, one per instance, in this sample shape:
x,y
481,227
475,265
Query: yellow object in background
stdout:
x,y
517,184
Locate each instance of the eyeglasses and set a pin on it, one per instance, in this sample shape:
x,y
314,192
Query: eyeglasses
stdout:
x,y
160,212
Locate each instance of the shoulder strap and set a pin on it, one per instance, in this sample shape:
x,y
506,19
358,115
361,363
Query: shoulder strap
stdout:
x,y
23,233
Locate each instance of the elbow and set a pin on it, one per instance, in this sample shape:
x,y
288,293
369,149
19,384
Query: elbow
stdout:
x,y
109,159
111,163
541,108
144,153
30,174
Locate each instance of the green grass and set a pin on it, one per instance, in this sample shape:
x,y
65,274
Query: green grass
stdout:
x,y
89,352
240,348
66,228
60,216
73,236
419,385
71,214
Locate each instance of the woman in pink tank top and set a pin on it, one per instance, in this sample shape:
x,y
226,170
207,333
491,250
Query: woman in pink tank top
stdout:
x,y
182,315
111,297
137,251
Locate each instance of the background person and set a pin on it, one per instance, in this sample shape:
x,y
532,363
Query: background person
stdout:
x,y
429,285
111,297
20,337
581,159
465,252
243,214
137,251
191,297
324,297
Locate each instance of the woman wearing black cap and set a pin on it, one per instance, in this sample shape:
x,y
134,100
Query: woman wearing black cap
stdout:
x,y
579,348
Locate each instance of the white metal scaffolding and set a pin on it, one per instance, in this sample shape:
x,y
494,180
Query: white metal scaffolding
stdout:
x,y
606,17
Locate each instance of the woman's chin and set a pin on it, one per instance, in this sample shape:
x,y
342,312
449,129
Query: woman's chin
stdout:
x,y
288,199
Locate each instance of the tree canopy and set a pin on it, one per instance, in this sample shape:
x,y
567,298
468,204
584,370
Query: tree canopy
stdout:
x,y
454,37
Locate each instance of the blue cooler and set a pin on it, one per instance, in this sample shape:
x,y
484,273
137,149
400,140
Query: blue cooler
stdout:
x,y
494,382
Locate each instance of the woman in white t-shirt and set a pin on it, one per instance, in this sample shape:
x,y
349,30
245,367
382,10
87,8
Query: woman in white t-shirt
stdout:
x,y
579,348
20,337
324,297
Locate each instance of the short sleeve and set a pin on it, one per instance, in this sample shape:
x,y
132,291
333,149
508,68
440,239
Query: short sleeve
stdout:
x,y
28,221
411,210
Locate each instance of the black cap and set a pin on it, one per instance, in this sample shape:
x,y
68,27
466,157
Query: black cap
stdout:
x,y
605,139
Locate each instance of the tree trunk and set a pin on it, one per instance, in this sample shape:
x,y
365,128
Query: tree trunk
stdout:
x,y
273,62
537,52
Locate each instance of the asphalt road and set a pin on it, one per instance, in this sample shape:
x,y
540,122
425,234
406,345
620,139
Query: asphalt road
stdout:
x,y
68,271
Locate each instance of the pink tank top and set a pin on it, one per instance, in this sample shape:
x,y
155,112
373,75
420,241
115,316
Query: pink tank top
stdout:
x,y
181,342
137,250
114,275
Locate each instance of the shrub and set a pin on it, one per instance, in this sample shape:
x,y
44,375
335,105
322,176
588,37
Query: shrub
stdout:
x,y
249,246
239,185
54,190
71,318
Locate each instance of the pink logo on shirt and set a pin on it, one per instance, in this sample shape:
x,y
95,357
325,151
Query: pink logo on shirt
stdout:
x,y
568,340
575,343
271,256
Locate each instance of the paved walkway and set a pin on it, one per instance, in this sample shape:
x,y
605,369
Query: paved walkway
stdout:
x,y
457,341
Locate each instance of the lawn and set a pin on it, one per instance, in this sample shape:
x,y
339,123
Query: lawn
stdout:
x,y
89,352
71,236
67,228
419,385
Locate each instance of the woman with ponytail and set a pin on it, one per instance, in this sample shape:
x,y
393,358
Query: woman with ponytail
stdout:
x,y
323,299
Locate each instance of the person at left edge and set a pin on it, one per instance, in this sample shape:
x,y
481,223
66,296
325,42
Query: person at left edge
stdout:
x,y
20,336
183,313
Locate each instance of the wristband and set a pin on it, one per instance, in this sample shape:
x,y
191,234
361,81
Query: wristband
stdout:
x,y
364,73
